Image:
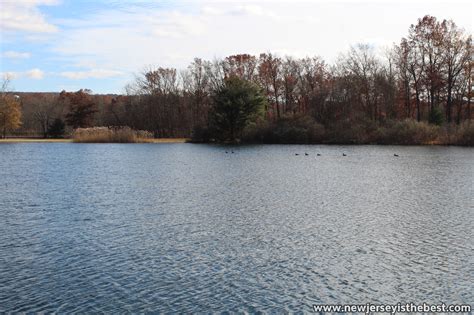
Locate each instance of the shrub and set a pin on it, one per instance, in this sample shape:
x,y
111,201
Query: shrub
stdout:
x,y
436,117
202,134
357,131
464,135
304,129
57,128
408,132
345,132
111,134
299,129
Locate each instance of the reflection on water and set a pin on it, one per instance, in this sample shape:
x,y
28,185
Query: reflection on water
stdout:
x,y
188,228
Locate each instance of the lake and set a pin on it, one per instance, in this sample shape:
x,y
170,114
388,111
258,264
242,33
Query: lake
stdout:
x,y
188,228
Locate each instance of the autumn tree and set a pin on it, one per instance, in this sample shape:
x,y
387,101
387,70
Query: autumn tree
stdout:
x,y
435,54
215,71
386,85
400,57
45,110
416,68
269,71
10,109
468,75
428,38
160,102
242,66
81,108
361,67
196,86
313,87
290,74
456,54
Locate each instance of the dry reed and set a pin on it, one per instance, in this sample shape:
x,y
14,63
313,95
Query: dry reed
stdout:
x,y
111,135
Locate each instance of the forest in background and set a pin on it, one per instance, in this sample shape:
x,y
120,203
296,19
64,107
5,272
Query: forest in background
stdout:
x,y
419,91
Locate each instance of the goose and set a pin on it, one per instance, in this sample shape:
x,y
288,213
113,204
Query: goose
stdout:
x,y
232,152
306,154
318,154
343,154
296,153
395,155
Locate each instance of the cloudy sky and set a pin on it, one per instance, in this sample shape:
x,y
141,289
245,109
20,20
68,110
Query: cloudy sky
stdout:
x,y
51,45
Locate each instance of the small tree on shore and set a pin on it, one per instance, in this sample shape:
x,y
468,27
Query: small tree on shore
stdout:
x,y
236,103
10,109
57,128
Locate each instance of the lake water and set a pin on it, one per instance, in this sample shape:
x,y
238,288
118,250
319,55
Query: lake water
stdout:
x,y
189,228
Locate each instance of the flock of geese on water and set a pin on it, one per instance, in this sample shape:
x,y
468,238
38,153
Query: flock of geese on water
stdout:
x,y
318,154
343,154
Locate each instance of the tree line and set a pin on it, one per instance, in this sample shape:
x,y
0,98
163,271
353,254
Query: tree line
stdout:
x,y
426,77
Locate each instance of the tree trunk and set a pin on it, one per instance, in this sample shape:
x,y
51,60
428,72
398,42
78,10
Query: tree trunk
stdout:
x,y
45,129
468,109
432,100
418,113
232,133
275,89
407,100
449,102
448,110
458,118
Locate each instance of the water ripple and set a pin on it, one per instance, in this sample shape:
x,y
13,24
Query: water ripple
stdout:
x,y
186,228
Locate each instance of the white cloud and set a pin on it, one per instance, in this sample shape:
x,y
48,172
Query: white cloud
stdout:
x,y
127,35
211,11
36,74
16,55
243,10
93,73
254,10
24,15
168,37
127,38
9,75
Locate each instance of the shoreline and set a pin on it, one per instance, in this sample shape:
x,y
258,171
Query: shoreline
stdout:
x,y
187,140
40,140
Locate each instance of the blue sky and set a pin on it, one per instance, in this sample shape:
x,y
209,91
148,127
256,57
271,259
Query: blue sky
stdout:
x,y
51,45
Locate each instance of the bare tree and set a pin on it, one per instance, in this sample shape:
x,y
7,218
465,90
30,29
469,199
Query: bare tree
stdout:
x,y
456,55
270,77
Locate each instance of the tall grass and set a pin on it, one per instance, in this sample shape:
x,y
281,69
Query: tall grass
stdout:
x,y
111,135
409,132
461,135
